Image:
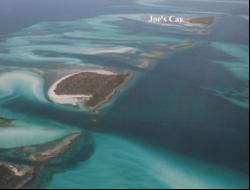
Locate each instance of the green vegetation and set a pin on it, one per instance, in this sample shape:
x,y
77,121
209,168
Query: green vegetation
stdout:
x,y
101,87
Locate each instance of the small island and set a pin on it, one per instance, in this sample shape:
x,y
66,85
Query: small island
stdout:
x,y
92,88
5,122
202,20
54,151
182,46
15,176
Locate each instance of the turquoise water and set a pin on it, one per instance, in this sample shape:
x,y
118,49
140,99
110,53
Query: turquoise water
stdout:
x,y
26,134
22,83
240,66
28,131
120,163
182,123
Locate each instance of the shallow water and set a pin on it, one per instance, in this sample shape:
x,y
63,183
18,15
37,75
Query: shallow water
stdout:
x,y
21,83
121,163
182,123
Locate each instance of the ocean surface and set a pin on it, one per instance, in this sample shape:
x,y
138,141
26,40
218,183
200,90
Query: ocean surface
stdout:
x,y
181,123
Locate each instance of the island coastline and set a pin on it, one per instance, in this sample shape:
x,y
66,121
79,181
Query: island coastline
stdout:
x,y
59,95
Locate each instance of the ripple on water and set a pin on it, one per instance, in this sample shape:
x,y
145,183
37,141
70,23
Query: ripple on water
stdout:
x,y
22,83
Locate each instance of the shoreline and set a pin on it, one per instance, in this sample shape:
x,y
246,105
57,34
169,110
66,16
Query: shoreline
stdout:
x,y
113,93
64,145
81,99
182,46
204,21
18,176
71,99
